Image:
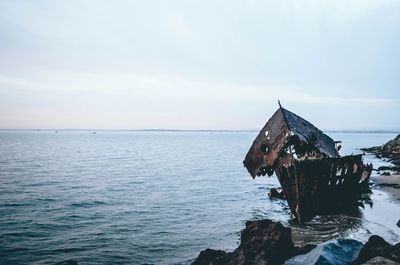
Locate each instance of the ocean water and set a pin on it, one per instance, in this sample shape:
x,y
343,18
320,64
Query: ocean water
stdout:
x,y
119,197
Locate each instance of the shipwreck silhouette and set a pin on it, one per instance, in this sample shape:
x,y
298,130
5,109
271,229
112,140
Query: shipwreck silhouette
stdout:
x,y
315,179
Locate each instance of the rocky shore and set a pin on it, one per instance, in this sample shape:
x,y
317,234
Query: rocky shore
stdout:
x,y
389,179
270,243
389,151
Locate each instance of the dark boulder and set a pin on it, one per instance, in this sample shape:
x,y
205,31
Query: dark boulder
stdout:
x,y
378,247
303,250
395,255
380,261
398,223
393,146
389,150
262,242
333,252
382,168
208,256
275,194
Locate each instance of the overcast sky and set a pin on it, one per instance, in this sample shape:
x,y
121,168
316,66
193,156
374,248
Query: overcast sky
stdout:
x,y
199,64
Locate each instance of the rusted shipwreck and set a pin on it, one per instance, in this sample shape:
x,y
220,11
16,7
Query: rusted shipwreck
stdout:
x,y
315,179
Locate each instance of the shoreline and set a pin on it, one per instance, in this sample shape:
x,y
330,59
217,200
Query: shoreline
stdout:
x,y
381,214
377,220
386,182
384,208
389,184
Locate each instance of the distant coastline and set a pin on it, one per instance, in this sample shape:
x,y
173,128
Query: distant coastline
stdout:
x,y
189,130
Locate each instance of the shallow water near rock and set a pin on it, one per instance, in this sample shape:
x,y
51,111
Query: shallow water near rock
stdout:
x,y
332,252
150,197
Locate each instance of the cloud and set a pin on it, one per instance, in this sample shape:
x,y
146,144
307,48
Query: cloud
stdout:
x,y
170,86
225,64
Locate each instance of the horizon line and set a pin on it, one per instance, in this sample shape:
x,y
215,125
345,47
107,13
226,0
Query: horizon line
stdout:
x,y
195,130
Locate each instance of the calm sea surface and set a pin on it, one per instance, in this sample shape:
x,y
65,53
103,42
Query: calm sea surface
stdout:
x,y
145,197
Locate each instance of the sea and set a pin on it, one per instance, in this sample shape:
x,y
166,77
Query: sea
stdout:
x,y
151,197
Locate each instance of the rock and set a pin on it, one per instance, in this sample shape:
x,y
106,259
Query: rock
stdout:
x,y
398,223
275,194
393,146
269,243
262,242
303,250
333,252
381,168
390,150
374,149
380,261
378,247
385,173
67,262
395,255
210,256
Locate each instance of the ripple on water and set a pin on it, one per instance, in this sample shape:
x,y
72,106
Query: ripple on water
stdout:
x,y
322,228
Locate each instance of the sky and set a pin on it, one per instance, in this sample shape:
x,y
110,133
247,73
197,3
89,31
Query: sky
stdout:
x,y
199,64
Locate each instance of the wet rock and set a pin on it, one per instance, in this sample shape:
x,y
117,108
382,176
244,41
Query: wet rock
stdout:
x,y
67,262
262,242
374,149
303,250
335,252
386,168
389,150
378,247
380,261
391,185
275,194
210,256
393,145
395,255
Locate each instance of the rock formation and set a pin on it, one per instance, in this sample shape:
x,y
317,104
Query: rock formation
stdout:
x,y
380,261
390,150
378,247
262,242
270,243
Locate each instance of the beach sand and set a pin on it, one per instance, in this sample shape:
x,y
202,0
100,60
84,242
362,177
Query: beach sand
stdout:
x,y
385,209
390,185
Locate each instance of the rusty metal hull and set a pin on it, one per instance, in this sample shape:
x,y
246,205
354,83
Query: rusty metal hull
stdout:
x,y
314,177
285,130
320,186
